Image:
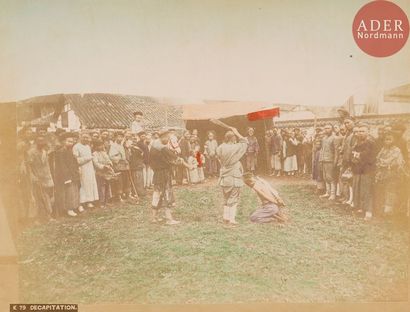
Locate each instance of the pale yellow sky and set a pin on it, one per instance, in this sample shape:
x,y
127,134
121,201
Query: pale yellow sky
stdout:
x,y
280,51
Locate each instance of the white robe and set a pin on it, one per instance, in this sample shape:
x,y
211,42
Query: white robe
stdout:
x,y
89,189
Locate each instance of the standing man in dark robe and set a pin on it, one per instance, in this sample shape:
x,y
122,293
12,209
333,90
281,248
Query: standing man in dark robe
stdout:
x,y
363,168
185,147
162,161
300,157
67,178
135,157
276,149
252,151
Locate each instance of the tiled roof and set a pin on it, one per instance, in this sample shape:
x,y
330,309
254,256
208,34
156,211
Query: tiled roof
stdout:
x,y
112,111
101,110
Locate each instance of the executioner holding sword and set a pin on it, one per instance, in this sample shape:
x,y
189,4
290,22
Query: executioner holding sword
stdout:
x,y
229,154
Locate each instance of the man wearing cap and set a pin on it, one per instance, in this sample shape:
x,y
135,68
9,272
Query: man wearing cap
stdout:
x,y
137,124
162,160
230,177
271,202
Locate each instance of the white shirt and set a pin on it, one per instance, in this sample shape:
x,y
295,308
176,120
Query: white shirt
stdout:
x,y
137,126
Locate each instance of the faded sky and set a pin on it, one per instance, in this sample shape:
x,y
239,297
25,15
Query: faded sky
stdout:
x,y
280,51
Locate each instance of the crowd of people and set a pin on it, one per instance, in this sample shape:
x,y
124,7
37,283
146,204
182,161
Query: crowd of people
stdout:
x,y
65,173
366,173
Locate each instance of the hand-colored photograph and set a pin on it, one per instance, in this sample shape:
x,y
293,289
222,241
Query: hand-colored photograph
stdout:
x,y
204,153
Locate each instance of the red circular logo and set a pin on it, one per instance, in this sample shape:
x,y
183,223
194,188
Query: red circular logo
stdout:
x,y
380,28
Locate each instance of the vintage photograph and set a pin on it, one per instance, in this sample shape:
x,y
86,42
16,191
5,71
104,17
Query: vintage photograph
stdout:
x,y
214,152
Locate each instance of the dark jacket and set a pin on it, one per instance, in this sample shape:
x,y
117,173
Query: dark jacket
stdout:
x,y
365,160
291,147
276,144
185,146
66,166
145,151
135,157
347,145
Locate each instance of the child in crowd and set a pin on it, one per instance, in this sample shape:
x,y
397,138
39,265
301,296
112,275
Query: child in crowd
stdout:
x,y
200,158
193,172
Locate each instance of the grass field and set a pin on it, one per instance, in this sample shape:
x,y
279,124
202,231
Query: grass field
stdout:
x,y
322,255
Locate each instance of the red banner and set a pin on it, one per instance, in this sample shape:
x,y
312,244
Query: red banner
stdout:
x,y
264,114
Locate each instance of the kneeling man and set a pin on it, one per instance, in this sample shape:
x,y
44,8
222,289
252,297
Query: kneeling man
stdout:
x,y
271,202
